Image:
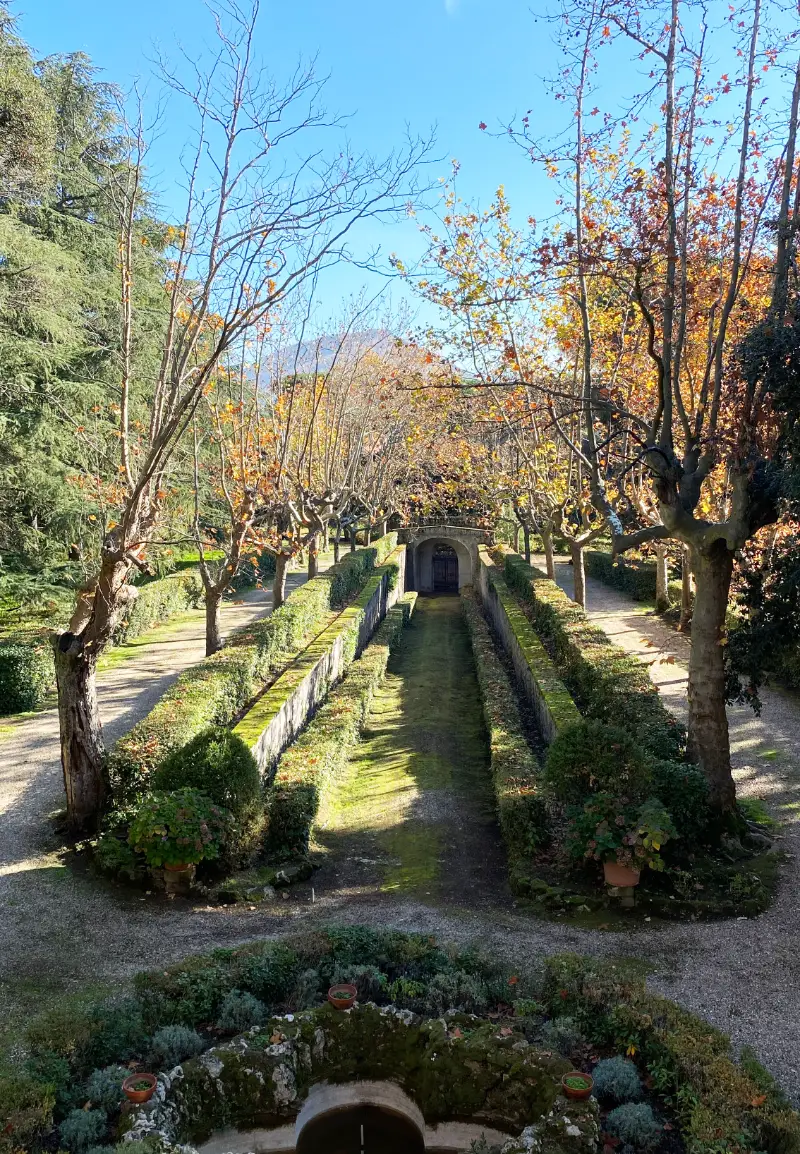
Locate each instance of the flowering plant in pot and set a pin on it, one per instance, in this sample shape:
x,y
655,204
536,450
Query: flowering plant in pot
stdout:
x,y
179,829
624,835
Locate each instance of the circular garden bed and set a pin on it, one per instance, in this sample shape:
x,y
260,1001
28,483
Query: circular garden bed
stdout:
x,y
243,1039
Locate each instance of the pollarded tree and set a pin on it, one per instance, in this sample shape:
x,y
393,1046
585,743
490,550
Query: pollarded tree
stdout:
x,y
258,223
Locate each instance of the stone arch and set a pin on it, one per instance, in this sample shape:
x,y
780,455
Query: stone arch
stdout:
x,y
422,542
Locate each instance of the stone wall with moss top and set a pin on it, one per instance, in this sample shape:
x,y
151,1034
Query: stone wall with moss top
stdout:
x,y
551,701
456,1067
279,714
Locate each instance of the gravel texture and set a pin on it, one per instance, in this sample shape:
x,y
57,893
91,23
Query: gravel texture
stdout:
x,y
60,930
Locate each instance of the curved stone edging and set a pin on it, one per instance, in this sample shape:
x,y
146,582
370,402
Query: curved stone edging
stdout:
x,y
457,1067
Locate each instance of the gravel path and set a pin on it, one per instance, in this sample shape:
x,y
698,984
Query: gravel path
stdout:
x,y
60,930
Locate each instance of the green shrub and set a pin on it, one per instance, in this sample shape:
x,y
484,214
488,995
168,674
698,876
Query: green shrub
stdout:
x,y
157,601
116,1033
114,856
636,1124
683,788
104,1087
617,1080
215,690
307,991
218,764
320,754
561,1034
172,1045
607,683
180,827
27,1111
82,1128
27,674
592,757
458,991
516,775
720,1105
613,829
240,1011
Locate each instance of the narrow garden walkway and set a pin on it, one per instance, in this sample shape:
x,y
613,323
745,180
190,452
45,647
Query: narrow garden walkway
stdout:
x,y
416,813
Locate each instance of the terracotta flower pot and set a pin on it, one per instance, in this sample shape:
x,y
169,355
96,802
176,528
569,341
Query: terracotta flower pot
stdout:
x,y
343,995
178,878
578,1093
620,875
139,1096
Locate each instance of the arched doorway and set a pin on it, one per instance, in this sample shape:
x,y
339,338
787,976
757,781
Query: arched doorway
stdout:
x,y
361,1130
445,569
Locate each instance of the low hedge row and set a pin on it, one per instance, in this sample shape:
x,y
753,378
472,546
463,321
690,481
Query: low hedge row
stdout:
x,y
607,683
723,1107
27,672
215,690
521,809
558,703
634,577
318,758
347,626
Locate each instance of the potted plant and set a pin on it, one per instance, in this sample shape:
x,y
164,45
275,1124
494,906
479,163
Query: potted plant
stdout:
x,y
177,830
577,1085
139,1088
342,995
625,836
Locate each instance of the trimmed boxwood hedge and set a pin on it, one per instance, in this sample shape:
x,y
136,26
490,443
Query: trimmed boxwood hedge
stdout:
x,y
27,672
723,1107
215,690
521,809
318,757
634,577
607,683
347,626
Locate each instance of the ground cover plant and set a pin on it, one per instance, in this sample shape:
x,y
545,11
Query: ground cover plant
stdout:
x,y
597,1017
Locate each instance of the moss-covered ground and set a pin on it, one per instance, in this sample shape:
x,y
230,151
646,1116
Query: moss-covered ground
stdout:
x,y
416,812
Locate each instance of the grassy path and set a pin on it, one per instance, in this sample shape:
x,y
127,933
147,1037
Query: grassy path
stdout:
x,y
415,813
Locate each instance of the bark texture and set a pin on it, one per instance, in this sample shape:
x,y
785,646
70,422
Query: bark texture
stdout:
x,y
708,719
662,590
82,746
279,581
550,562
578,573
213,600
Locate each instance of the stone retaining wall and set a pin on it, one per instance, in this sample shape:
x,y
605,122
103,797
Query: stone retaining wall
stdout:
x,y
550,699
278,715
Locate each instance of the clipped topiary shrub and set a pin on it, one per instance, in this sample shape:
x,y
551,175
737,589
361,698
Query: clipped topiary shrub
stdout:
x,y
104,1086
617,1080
218,764
215,690
172,1045
82,1128
636,1125
240,1011
561,1034
592,757
683,789
607,683
26,676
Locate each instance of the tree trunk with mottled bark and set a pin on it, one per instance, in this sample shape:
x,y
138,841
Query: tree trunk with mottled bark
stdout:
x,y
279,580
313,557
526,538
213,599
82,746
687,589
547,543
708,719
578,573
662,578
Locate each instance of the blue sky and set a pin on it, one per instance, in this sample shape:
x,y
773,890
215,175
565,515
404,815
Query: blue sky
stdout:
x,y
448,63
392,63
